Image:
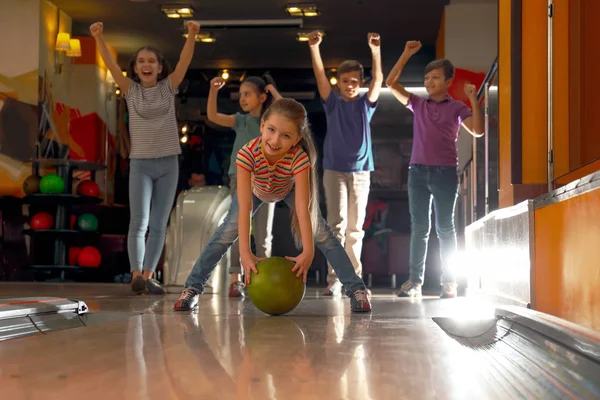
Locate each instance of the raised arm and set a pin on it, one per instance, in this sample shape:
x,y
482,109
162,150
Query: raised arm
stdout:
x,y
375,87
96,29
185,58
475,124
314,40
211,105
397,89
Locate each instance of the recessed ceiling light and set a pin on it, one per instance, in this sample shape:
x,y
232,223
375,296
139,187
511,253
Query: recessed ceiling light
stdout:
x,y
177,10
303,10
205,37
303,36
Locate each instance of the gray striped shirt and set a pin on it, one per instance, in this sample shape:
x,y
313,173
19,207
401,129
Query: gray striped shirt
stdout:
x,y
152,121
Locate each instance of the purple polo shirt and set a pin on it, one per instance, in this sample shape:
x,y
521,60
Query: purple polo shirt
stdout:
x,y
347,146
435,130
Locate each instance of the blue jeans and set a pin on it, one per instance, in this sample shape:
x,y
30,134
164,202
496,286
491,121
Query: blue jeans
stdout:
x,y
152,187
440,184
227,233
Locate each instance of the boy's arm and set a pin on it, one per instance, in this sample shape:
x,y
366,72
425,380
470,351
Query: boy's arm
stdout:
x,y
397,89
211,105
185,58
377,73
475,123
122,82
314,40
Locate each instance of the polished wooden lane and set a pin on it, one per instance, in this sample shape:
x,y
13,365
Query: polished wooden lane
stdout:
x,y
229,350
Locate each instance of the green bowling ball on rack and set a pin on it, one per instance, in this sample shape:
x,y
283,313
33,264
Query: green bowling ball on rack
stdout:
x,y
87,222
52,184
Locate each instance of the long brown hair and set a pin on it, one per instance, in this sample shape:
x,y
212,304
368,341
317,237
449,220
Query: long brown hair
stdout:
x,y
294,111
260,84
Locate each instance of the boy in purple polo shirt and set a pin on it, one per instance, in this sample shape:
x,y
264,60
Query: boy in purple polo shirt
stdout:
x,y
347,153
433,165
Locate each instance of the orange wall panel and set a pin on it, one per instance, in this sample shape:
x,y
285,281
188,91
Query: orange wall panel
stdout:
x,y
504,59
534,91
567,270
560,86
440,44
590,60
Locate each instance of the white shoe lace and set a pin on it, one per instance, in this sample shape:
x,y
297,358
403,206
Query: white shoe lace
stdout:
x,y
360,295
187,294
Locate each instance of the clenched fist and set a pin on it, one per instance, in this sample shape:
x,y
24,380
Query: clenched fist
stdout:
x,y
96,29
374,40
412,47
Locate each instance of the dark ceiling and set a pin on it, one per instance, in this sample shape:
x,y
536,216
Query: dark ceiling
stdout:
x,y
130,24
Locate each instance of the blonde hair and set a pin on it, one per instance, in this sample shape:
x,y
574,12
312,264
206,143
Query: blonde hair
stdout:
x,y
294,111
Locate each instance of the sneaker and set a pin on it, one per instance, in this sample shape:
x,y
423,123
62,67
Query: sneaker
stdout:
x,y
410,289
236,289
449,291
359,301
154,287
334,289
138,285
188,299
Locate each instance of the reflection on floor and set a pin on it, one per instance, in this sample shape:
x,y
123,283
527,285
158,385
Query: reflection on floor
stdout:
x,y
229,350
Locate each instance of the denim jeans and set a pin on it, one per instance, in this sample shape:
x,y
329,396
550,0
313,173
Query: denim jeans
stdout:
x,y
227,233
440,184
152,187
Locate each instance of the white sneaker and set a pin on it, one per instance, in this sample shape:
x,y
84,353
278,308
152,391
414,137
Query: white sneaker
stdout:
x,y
449,291
409,289
333,289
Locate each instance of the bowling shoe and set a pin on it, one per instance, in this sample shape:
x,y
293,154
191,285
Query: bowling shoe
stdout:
x,y
188,299
359,301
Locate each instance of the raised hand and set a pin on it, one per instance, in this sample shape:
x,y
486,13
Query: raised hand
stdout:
x,y
470,90
193,28
315,38
217,83
412,47
374,40
96,29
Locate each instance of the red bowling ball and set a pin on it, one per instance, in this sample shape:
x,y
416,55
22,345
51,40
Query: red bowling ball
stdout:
x,y
90,257
41,220
88,188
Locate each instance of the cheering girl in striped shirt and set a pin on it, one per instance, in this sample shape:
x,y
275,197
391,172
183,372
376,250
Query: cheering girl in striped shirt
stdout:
x,y
277,166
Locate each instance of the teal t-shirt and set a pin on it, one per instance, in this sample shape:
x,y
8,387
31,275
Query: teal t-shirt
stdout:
x,y
246,128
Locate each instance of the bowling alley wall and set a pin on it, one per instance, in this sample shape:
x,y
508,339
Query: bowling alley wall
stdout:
x,y
74,94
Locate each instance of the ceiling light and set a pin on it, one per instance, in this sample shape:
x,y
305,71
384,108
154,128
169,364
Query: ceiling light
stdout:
x,y
303,36
204,37
177,10
302,10
333,81
225,74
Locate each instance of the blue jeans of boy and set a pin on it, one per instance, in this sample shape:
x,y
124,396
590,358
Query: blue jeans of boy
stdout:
x,y
227,233
440,184
152,187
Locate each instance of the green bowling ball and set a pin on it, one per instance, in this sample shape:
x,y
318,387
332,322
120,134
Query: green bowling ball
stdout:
x,y
87,222
275,290
52,184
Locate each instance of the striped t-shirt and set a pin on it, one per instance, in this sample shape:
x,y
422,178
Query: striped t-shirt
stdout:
x,y
271,183
152,122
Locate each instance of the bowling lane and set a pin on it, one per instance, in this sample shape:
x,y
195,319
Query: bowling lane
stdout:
x,y
229,350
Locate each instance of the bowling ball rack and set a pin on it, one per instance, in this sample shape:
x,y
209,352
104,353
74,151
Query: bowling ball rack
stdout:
x,y
62,234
